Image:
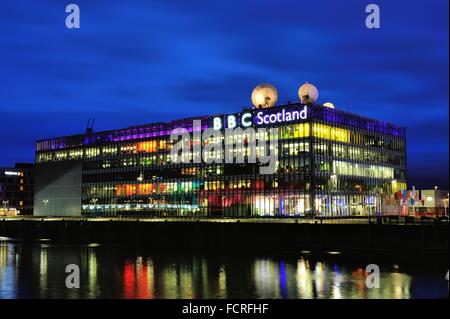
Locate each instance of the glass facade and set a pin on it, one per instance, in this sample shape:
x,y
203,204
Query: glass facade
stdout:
x,y
332,163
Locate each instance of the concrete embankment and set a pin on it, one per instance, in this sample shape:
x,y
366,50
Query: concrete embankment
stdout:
x,y
216,236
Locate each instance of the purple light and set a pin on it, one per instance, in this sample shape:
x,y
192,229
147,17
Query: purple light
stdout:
x,y
159,130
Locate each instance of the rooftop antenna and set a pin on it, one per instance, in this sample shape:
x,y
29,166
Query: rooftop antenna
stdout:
x,y
286,99
90,126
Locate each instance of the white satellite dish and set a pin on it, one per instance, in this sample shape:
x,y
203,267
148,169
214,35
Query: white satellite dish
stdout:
x,y
264,95
308,93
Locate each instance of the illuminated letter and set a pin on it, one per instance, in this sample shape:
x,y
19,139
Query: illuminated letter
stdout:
x,y
231,121
282,116
304,113
288,117
260,118
217,123
245,119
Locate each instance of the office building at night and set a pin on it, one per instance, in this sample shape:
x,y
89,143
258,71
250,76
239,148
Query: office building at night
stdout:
x,y
16,189
331,163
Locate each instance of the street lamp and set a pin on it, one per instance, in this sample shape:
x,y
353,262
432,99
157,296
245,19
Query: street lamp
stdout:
x,y
5,202
45,201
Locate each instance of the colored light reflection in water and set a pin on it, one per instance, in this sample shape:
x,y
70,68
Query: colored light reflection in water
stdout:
x,y
222,282
129,280
319,275
138,278
303,277
43,268
266,278
283,279
38,271
7,272
142,271
336,283
92,270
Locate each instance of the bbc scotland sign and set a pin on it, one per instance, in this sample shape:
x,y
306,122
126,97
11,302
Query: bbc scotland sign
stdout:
x,y
260,118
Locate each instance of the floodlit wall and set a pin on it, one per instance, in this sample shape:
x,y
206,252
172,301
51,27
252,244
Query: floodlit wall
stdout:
x,y
58,189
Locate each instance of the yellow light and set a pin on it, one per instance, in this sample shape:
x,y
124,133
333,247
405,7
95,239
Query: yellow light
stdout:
x,y
328,104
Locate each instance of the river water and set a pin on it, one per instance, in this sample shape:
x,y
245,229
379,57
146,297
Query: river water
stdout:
x,y
38,270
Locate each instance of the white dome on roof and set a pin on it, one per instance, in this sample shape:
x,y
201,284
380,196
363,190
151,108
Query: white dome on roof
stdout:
x,y
264,95
308,93
328,104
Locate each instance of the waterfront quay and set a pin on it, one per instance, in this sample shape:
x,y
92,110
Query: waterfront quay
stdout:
x,y
388,234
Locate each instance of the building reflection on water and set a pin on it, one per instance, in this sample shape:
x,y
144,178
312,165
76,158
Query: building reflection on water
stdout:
x,y
138,278
38,271
43,268
7,271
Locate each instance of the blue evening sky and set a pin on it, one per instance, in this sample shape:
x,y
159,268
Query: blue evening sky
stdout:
x,y
136,62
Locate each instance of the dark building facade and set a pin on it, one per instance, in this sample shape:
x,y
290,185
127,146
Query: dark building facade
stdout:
x,y
17,188
330,163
